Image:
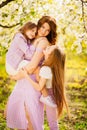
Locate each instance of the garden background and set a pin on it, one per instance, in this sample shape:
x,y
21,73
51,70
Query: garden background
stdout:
x,y
71,17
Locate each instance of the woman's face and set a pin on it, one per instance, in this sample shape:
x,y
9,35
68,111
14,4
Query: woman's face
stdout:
x,y
48,51
31,33
44,30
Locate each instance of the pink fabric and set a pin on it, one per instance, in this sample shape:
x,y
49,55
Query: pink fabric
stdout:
x,y
51,115
25,94
19,49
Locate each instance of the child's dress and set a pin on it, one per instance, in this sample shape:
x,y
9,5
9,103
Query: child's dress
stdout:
x,y
18,50
46,73
51,112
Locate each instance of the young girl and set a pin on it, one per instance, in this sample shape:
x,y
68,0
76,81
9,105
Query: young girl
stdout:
x,y
19,49
52,76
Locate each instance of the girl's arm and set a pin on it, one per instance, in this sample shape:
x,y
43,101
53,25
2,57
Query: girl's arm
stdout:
x,y
35,59
37,85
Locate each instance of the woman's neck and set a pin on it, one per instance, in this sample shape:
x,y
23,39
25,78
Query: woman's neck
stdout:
x,y
37,36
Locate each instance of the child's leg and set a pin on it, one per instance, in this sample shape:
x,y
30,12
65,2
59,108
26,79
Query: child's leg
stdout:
x,y
22,64
52,118
44,92
52,115
46,98
11,71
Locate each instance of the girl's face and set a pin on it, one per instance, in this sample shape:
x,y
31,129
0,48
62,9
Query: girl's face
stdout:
x,y
31,33
48,51
44,30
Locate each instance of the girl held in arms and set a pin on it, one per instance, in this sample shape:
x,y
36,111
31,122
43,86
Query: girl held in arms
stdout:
x,y
19,49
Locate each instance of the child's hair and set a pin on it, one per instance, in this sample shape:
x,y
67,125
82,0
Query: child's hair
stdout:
x,y
56,62
27,26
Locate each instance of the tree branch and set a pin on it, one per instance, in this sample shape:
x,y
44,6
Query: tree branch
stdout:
x,y
6,26
5,3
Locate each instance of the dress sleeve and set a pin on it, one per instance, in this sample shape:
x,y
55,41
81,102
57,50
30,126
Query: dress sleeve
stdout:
x,y
45,72
21,42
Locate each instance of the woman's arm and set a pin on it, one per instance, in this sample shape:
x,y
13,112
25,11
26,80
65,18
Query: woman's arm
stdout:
x,y
38,55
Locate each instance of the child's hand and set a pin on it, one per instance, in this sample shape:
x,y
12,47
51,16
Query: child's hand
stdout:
x,y
36,72
21,74
24,72
12,77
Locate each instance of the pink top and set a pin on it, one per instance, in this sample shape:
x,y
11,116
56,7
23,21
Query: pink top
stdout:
x,y
19,50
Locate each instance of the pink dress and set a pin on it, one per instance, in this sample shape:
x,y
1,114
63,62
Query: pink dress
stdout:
x,y
25,95
19,49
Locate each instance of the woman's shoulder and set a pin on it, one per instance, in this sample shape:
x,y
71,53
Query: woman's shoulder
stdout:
x,y
43,39
42,42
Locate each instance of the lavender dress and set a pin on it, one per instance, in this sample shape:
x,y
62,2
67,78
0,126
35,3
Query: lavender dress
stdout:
x,y
25,95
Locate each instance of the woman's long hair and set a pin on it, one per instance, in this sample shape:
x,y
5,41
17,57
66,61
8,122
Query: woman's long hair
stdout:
x,y
27,26
52,36
56,62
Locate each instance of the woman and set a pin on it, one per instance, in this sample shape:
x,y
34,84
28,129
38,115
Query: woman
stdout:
x,y
24,97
